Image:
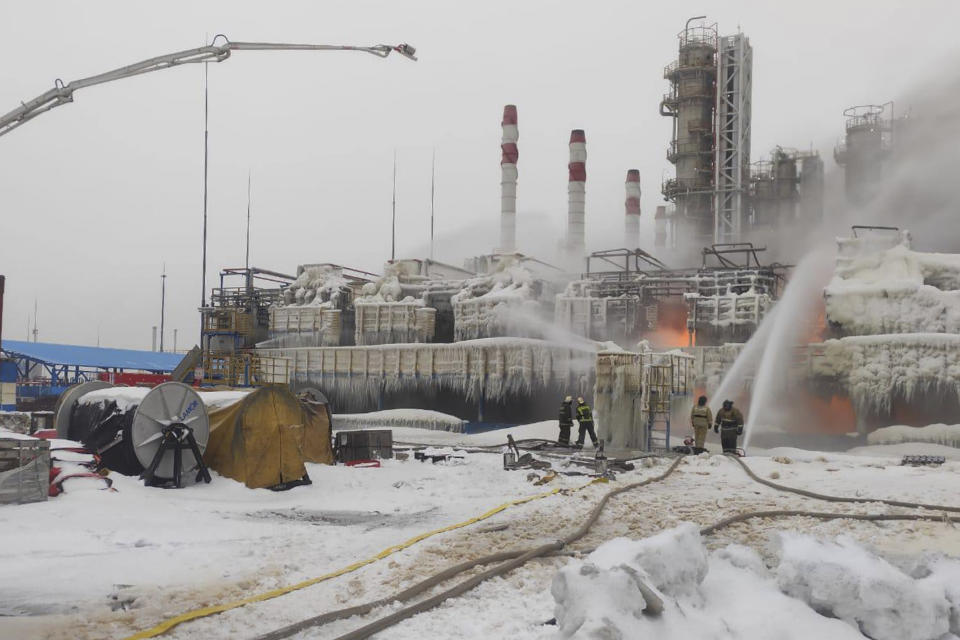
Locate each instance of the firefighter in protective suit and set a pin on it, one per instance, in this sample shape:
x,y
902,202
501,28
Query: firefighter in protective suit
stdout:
x,y
566,420
700,419
585,420
729,423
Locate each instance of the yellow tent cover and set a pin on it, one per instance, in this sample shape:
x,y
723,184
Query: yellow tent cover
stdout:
x,y
264,439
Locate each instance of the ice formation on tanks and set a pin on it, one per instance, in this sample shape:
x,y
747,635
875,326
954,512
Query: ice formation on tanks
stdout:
x,y
895,317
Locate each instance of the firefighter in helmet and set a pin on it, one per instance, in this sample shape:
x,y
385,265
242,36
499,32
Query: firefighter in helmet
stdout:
x,y
700,419
585,420
729,424
566,420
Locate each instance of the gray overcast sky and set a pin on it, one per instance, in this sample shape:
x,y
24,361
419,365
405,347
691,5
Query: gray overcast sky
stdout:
x,y
98,194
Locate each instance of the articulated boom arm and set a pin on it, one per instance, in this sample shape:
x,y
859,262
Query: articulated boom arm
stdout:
x,y
63,93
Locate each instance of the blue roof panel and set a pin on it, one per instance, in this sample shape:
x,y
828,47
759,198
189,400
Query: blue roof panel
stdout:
x,y
93,356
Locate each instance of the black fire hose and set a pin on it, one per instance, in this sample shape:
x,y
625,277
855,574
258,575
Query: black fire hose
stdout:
x,y
821,496
821,515
514,559
518,557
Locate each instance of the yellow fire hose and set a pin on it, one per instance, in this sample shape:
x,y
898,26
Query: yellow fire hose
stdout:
x,y
170,623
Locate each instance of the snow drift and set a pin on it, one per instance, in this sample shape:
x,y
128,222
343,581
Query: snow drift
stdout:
x,y
832,590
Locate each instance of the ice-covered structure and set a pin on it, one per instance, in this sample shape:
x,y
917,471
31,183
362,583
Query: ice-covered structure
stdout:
x,y
895,315
491,380
633,296
637,395
884,287
503,303
385,315
316,308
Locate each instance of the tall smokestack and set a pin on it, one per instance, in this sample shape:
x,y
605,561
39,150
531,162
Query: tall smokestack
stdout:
x,y
633,209
576,194
508,180
660,220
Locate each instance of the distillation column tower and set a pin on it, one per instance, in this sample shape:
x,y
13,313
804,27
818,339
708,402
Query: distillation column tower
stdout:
x,y
632,205
869,131
508,180
691,103
811,187
710,103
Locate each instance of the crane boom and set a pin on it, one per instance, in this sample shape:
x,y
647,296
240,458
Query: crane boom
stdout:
x,y
214,52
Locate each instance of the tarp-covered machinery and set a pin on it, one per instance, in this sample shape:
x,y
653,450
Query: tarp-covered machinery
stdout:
x,y
264,439
261,438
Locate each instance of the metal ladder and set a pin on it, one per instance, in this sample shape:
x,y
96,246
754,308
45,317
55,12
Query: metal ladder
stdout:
x,y
657,403
658,430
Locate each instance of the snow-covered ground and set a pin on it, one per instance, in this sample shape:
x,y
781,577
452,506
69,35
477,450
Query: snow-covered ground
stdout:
x,y
97,564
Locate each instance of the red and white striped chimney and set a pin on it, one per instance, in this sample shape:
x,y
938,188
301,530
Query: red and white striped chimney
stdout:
x,y
576,194
508,180
633,209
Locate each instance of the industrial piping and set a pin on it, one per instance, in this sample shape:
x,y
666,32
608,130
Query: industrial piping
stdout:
x,y
632,205
576,195
508,180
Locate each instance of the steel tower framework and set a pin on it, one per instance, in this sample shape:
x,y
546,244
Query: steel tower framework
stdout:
x,y
732,153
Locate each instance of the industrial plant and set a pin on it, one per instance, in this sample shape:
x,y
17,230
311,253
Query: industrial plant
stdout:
x,y
497,338
766,363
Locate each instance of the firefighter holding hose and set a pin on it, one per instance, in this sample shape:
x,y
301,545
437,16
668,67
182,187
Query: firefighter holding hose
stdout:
x,y
729,424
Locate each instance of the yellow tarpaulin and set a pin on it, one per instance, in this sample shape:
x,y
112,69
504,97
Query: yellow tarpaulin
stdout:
x,y
264,439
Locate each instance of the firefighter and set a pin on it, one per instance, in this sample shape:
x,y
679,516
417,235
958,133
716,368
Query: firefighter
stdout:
x,y
585,420
700,419
729,424
566,420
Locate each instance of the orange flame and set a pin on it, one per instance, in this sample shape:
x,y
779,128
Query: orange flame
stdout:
x,y
671,331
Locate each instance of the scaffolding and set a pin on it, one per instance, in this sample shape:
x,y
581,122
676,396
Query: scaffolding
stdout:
x,y
234,322
245,369
732,163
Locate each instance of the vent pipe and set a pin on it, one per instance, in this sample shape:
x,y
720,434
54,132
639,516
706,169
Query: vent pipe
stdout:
x,y
576,194
632,205
660,220
508,180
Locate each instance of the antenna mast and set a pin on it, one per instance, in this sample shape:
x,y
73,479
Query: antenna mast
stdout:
x,y
163,301
247,262
433,179
393,228
206,137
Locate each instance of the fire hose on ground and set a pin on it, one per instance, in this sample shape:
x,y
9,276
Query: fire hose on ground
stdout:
x,y
519,557
513,559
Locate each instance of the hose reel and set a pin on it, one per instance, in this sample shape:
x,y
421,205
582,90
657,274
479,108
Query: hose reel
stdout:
x,y
159,433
